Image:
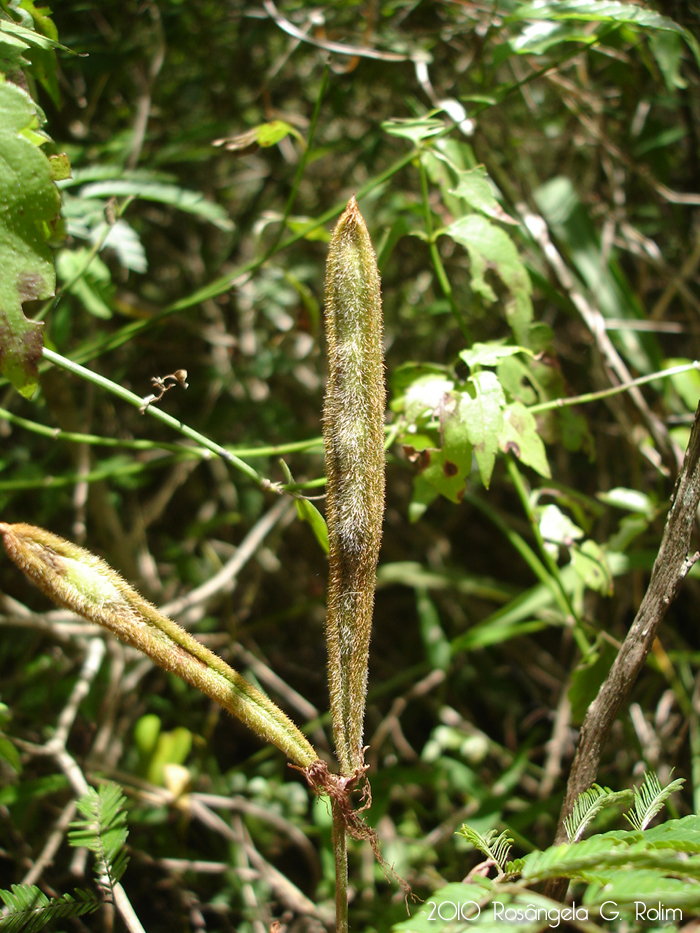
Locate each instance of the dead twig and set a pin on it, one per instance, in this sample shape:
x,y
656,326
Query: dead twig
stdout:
x,y
671,566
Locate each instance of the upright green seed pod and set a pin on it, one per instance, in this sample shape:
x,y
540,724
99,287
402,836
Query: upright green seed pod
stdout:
x,y
353,433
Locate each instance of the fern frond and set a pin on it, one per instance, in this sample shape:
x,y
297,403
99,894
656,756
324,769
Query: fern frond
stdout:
x,y
494,846
649,800
28,909
103,831
587,806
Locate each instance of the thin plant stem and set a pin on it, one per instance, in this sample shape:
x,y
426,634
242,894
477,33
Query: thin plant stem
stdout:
x,y
436,258
550,562
614,390
144,444
132,399
340,851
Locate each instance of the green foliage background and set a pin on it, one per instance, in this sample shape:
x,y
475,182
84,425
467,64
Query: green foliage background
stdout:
x,y
172,256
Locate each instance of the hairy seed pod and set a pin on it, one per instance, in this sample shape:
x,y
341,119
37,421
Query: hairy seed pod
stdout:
x,y
353,433
76,579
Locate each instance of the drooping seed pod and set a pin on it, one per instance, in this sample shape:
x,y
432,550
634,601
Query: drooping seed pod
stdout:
x,y
82,582
353,432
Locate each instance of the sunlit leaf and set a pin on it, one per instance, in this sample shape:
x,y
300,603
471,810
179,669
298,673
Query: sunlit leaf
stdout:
x,y
489,247
478,419
520,436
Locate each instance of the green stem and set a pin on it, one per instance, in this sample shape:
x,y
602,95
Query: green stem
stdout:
x,y
521,546
340,850
143,444
550,562
132,399
92,476
442,278
615,390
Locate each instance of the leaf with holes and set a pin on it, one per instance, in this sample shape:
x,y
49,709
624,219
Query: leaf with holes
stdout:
x,y
489,247
29,202
479,412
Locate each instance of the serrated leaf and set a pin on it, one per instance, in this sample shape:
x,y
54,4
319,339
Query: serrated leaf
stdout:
x,y
537,38
604,11
28,200
489,247
474,188
520,436
478,418
308,512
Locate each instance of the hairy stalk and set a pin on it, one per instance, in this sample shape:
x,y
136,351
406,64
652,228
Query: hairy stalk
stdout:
x,y
353,432
76,579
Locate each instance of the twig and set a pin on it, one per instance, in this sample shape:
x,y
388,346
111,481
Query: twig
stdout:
x,y
352,50
231,568
671,566
52,844
595,322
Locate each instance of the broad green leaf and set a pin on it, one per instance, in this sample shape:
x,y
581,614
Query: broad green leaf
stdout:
x,y
474,187
519,381
308,512
444,470
423,396
489,354
489,247
667,49
415,130
171,748
520,436
601,11
9,754
590,564
29,200
557,527
193,202
631,499
537,38
478,419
